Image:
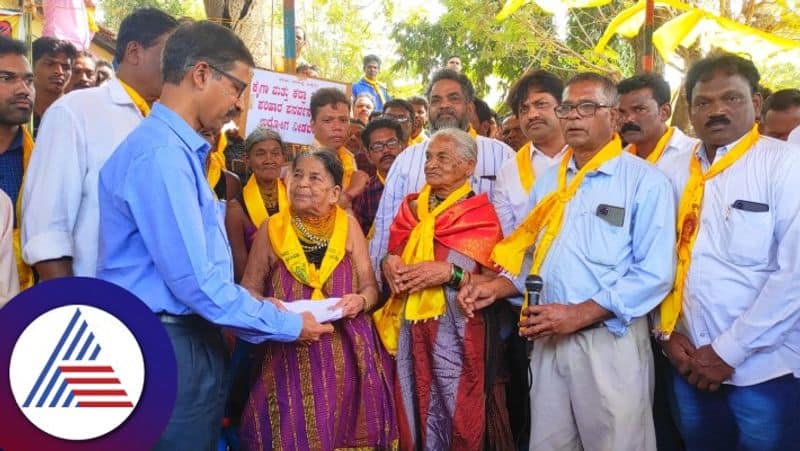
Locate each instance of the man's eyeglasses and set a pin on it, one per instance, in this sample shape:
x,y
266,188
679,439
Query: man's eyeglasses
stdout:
x,y
392,144
585,109
238,83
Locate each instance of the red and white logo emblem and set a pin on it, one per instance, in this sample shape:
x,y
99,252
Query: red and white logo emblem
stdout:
x,y
76,372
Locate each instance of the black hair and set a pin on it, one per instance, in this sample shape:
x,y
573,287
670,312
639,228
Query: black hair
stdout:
x,y
9,46
301,67
47,46
145,26
482,110
400,103
467,90
330,161
782,100
374,115
383,122
655,82
419,100
608,86
326,96
536,81
728,63
371,59
202,41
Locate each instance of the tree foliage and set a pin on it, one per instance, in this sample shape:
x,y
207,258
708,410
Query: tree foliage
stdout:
x,y
502,51
116,10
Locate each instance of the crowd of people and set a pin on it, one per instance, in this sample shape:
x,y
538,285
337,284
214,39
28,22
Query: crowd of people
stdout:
x,y
575,275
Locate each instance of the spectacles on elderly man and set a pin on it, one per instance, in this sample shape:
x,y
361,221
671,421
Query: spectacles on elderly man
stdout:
x,y
379,146
585,109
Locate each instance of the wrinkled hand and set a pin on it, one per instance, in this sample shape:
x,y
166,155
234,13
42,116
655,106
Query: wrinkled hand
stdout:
x,y
708,370
312,330
423,275
351,305
541,321
390,267
473,297
679,351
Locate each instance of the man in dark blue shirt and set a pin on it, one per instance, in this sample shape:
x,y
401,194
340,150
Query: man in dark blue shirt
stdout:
x,y
162,236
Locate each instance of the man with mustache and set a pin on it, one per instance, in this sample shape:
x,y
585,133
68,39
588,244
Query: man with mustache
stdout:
x,y
52,67
533,99
781,114
330,123
84,72
418,133
162,236
17,92
403,112
81,130
450,96
511,132
644,109
383,139
601,235
729,326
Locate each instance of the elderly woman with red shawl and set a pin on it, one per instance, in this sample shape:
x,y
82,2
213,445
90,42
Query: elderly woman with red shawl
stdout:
x,y
441,239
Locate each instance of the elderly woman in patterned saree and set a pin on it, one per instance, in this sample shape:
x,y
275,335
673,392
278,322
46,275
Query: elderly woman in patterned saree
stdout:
x,y
335,393
262,196
441,239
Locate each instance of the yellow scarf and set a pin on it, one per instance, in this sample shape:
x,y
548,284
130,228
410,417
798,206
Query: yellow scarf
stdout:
x,y
689,223
658,150
377,87
24,271
285,241
138,100
430,302
349,165
371,231
472,132
525,167
255,203
417,139
548,216
216,161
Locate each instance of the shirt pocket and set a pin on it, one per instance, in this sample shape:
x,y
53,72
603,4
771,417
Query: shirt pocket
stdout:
x,y
747,236
604,244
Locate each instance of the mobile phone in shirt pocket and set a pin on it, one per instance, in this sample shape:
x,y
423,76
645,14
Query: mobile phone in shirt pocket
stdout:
x,y
605,237
748,233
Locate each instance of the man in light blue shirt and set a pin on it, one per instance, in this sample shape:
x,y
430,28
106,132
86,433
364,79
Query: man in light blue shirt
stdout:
x,y
610,265
161,231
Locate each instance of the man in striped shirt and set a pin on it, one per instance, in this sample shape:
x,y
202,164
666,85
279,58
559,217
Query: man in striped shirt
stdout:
x,y
450,95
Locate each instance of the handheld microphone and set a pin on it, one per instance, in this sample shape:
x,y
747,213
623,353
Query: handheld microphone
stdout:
x,y
533,287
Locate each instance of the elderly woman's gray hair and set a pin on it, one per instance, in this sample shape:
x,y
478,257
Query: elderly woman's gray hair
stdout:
x,y
264,134
466,147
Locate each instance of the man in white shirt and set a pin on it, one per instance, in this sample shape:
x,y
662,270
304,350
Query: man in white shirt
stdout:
x,y
794,137
735,307
644,109
533,99
450,95
77,135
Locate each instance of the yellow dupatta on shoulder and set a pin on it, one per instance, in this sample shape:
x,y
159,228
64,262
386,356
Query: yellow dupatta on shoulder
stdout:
x,y
216,161
525,167
25,272
255,203
287,245
349,165
688,224
431,302
658,150
543,225
138,100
